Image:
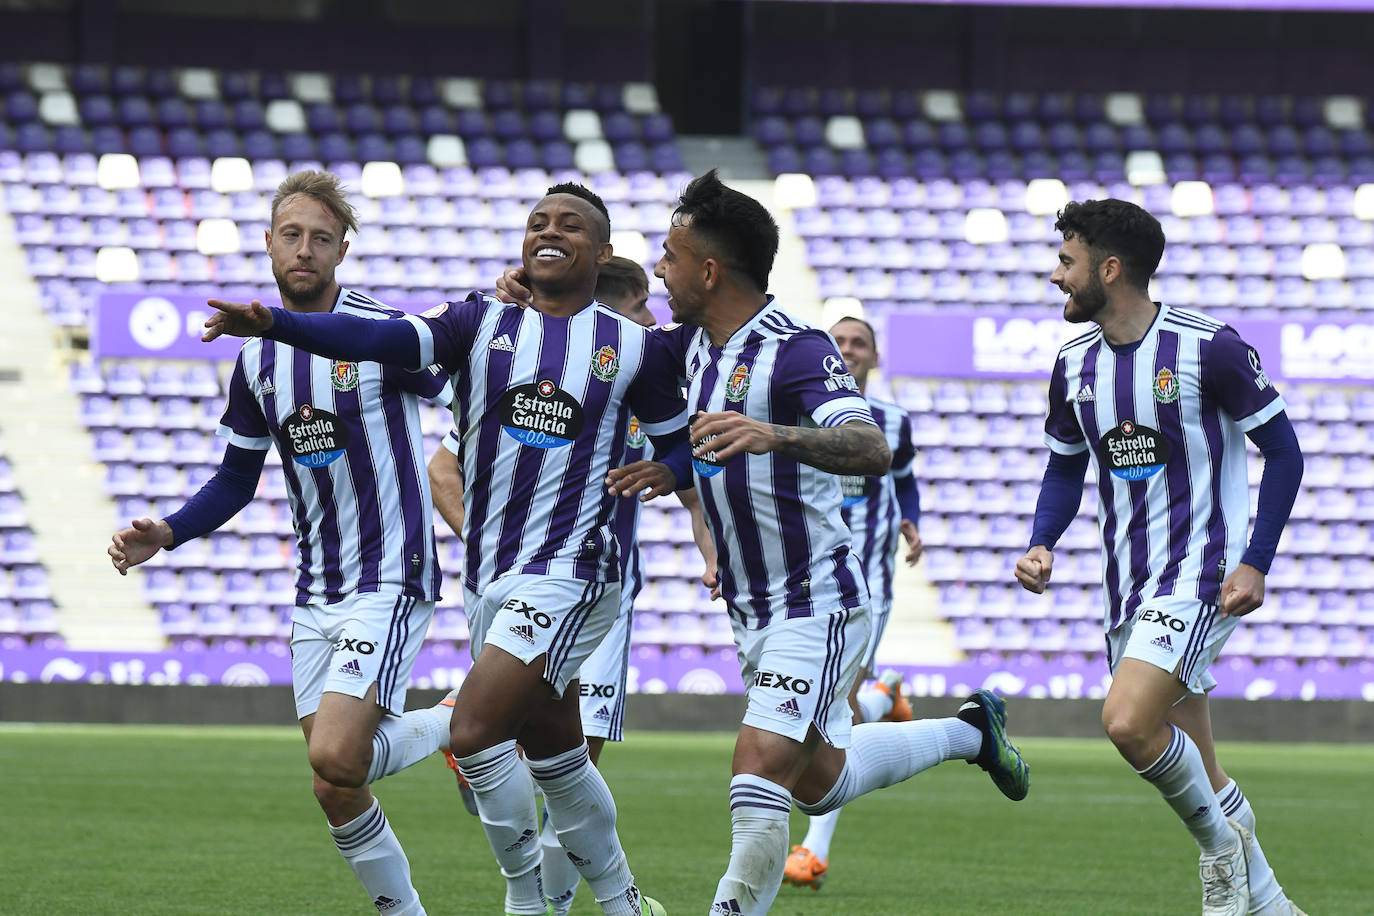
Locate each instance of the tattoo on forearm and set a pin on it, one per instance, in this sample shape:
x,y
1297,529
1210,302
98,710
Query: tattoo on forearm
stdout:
x,y
851,448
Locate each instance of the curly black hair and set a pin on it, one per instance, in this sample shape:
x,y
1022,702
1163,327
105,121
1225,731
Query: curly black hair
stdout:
x,y
1116,228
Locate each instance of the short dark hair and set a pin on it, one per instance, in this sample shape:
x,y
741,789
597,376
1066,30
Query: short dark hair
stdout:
x,y
620,277
872,334
1116,228
739,230
591,197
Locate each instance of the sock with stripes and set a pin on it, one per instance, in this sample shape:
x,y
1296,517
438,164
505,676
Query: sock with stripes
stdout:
x,y
582,812
371,849
404,740
1181,779
758,849
882,754
505,802
1264,884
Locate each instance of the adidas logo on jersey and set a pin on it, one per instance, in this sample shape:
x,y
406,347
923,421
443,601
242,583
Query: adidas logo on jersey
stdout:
x,y
502,343
1085,394
525,632
1163,642
351,667
789,707
602,713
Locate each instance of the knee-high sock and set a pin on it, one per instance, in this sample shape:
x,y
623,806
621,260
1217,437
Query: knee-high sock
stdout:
x,y
873,704
505,803
1181,779
758,849
376,857
582,812
560,877
1264,884
404,740
820,829
881,754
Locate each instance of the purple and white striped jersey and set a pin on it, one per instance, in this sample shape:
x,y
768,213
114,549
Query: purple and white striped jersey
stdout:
x,y
782,548
542,407
1165,424
870,503
354,458
637,447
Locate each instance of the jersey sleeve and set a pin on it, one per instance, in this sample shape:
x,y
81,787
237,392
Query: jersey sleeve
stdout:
x,y
450,441
432,383
243,423
904,455
655,395
1063,434
674,340
817,382
448,330
1233,376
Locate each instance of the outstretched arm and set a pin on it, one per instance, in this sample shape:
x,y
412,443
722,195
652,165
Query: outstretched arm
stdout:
x,y
395,343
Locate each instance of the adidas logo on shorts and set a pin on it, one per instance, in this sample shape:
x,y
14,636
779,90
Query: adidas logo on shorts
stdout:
x,y
789,707
525,632
1163,642
602,713
351,667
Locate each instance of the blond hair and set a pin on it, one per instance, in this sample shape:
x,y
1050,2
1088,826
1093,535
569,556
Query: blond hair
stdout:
x,y
322,187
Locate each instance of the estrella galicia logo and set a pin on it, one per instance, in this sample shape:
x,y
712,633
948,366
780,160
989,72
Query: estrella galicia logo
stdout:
x,y
856,489
314,437
1133,452
706,465
635,436
540,415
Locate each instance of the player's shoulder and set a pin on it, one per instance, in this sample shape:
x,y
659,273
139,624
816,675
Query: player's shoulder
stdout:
x,y
1190,323
352,302
775,321
884,407
1080,343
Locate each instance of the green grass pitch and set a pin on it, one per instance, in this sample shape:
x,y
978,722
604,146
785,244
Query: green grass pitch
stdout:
x,y
134,820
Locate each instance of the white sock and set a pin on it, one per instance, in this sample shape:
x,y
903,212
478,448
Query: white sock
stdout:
x,y
1264,884
819,832
505,803
874,704
560,877
371,849
1181,778
403,740
582,812
882,754
758,851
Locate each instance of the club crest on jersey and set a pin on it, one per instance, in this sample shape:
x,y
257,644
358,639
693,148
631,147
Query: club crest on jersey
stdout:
x,y
540,414
737,386
344,375
856,489
634,435
605,364
705,465
1133,452
1165,386
314,437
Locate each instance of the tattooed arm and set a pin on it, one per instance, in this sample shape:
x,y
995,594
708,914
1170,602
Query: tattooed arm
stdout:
x,y
854,447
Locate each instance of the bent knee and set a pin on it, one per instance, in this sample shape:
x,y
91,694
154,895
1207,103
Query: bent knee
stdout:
x,y
339,769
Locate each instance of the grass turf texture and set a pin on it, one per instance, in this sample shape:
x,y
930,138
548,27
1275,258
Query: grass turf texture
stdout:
x,y
134,820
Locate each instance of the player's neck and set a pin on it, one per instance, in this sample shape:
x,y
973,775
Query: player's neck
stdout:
x,y
729,314
322,303
560,303
1127,320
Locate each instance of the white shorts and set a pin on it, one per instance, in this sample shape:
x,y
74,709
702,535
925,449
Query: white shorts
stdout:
x,y
881,611
603,677
346,647
798,673
1181,635
529,616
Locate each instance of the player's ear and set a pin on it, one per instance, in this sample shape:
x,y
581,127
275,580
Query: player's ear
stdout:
x,y
711,273
605,253
1110,270
267,239
343,250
